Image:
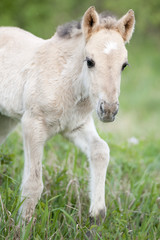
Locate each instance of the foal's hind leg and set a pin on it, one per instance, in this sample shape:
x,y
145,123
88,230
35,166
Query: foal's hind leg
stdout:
x,y
97,151
6,126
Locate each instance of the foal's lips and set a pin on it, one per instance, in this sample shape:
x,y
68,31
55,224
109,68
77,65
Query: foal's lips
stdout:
x,y
106,119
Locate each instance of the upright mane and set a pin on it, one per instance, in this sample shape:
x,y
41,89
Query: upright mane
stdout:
x,y
73,28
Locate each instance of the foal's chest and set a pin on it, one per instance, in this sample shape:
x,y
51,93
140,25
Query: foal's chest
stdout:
x,y
76,116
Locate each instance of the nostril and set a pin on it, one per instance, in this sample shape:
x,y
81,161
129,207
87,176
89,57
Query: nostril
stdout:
x,y
102,107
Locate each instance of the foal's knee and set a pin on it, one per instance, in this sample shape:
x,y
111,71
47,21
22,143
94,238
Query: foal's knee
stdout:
x,y
100,153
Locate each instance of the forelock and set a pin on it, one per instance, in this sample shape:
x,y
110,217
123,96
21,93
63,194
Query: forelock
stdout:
x,y
107,20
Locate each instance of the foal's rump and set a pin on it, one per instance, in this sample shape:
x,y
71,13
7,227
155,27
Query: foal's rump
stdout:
x,y
17,48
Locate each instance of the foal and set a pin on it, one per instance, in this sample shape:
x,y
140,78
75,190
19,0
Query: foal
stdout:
x,y
52,86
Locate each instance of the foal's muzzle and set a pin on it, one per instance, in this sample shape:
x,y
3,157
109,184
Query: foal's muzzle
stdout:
x,y
107,111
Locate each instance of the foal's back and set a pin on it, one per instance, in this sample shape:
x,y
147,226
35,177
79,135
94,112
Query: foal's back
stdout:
x,y
17,48
10,35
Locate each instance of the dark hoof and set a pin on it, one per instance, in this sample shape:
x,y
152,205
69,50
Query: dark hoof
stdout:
x,y
99,219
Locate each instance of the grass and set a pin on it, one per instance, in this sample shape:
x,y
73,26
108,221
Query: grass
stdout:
x,y
132,189
133,180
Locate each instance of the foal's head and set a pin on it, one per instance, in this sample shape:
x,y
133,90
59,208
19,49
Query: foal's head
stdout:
x,y
106,58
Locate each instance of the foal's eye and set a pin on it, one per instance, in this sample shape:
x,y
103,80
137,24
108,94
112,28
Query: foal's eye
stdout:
x,y
125,65
90,62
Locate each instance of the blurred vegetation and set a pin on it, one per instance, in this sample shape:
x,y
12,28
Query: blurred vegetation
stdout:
x,y
42,16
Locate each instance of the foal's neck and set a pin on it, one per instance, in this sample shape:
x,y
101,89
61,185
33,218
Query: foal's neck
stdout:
x,y
80,81
69,60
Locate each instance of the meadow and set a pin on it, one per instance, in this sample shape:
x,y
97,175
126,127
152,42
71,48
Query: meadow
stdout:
x,y
133,179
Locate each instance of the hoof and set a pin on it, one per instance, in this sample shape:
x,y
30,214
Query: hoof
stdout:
x,y
27,209
99,218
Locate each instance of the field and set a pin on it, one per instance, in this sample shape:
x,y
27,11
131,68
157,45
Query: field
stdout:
x,y
133,179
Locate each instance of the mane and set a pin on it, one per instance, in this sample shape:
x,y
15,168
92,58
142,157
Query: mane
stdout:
x,y
73,28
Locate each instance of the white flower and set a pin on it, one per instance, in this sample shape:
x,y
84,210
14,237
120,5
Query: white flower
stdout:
x,y
133,140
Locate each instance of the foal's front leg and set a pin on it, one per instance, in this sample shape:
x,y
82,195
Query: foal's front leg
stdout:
x,y
97,151
34,136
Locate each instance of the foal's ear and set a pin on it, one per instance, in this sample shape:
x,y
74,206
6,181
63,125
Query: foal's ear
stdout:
x,y
125,25
89,22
